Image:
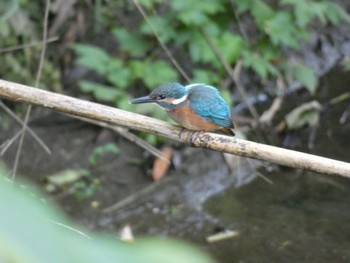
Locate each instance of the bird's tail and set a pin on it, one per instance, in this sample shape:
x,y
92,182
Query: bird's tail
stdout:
x,y
228,131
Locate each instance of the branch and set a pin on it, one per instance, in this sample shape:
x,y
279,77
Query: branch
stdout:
x,y
37,80
233,73
30,131
217,142
28,45
161,42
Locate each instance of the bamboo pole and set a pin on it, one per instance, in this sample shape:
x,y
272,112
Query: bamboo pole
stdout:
x,y
217,142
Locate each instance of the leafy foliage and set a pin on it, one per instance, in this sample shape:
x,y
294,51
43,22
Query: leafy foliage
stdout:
x,y
192,14
130,42
326,11
119,73
17,28
282,25
306,76
152,73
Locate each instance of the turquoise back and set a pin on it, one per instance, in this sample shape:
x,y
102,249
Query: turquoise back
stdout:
x,y
207,102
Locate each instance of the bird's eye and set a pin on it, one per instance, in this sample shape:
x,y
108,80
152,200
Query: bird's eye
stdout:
x,y
161,97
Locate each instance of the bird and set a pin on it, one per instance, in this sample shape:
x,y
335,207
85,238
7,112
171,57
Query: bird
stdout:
x,y
196,107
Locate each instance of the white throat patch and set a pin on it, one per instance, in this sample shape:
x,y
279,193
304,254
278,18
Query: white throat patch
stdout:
x,y
178,101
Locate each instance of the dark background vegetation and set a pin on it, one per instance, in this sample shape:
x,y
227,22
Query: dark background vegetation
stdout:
x,y
259,53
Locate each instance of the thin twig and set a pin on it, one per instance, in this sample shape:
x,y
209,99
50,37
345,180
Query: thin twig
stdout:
x,y
37,81
9,142
77,231
241,28
20,145
234,74
128,135
137,196
259,173
4,144
31,44
162,44
268,115
31,132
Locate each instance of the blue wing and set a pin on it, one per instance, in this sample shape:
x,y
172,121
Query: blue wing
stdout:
x,y
206,101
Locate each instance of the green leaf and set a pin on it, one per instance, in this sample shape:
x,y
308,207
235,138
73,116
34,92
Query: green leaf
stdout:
x,y
118,74
137,68
159,72
303,11
150,4
159,250
132,43
92,57
335,14
307,77
65,177
227,96
261,12
306,11
281,30
35,231
200,51
306,114
120,78
28,243
243,5
153,73
4,28
100,92
205,76
101,150
191,13
163,25
346,64
319,10
123,102
259,64
230,45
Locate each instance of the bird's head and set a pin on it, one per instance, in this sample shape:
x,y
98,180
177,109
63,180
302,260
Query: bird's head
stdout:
x,y
167,95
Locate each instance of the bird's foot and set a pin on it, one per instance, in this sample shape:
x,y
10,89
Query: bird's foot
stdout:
x,y
193,136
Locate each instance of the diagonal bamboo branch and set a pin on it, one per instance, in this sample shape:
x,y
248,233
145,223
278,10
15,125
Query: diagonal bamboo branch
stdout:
x,y
217,142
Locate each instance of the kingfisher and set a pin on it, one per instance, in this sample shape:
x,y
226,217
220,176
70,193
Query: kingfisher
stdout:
x,y
197,107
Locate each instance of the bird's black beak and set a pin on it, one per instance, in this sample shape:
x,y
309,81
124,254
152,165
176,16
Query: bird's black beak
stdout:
x,y
145,99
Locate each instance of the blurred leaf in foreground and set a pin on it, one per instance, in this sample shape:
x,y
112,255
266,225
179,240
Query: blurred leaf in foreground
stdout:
x,y
32,231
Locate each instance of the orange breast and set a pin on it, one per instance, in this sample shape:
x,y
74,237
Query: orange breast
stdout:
x,y
187,118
